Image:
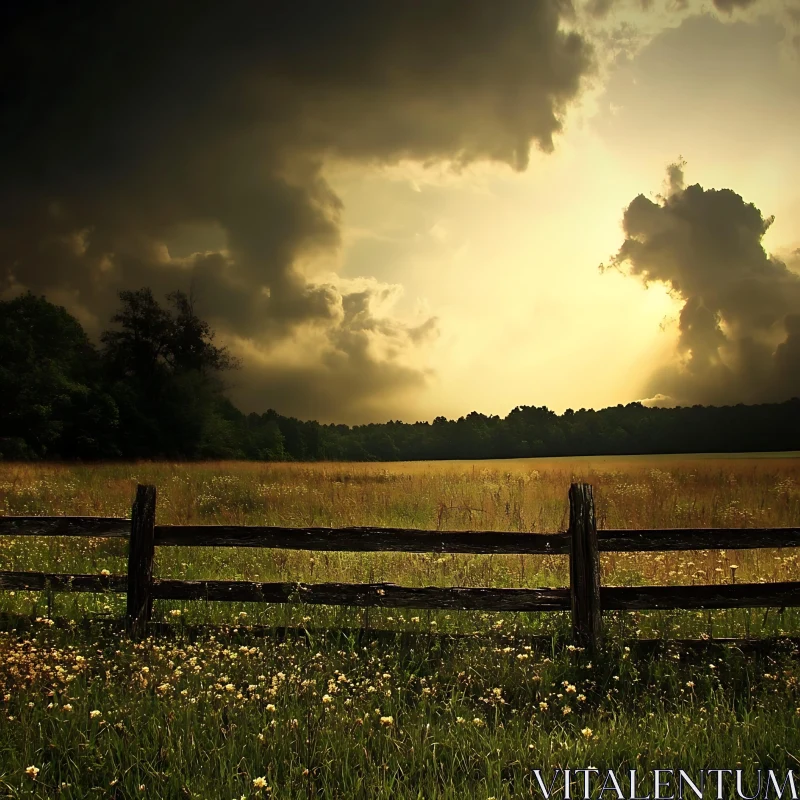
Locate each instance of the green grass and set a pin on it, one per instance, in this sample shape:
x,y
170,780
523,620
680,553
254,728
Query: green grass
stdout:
x,y
469,718
203,715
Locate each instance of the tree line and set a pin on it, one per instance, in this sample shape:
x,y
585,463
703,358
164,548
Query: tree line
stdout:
x,y
154,389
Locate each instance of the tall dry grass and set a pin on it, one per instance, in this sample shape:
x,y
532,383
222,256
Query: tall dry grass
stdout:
x,y
331,714
516,495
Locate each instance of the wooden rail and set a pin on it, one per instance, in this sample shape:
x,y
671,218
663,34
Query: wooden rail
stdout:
x,y
407,540
585,597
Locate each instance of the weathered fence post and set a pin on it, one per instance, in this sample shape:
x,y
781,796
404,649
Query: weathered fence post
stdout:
x,y
584,568
140,559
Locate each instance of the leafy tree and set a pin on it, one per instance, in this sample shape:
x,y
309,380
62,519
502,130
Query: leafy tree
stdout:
x,y
152,340
51,399
165,373
156,391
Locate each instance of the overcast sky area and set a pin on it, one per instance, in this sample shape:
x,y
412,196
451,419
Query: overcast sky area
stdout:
x,y
399,210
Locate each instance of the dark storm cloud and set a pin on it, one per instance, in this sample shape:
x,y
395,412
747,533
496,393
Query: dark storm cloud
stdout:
x,y
123,122
728,6
599,8
739,327
349,382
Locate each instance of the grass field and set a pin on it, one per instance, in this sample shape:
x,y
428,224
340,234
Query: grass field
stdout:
x,y
405,709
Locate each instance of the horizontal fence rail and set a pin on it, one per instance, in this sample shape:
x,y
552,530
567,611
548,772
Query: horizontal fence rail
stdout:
x,y
613,598
367,595
585,597
407,540
364,540
57,581
101,527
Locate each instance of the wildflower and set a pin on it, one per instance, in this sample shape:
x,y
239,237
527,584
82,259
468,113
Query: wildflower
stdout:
x,y
478,722
229,687
326,698
543,706
66,707
690,684
260,783
587,733
93,714
104,572
566,710
461,720
270,707
32,771
176,612
387,721
571,688
582,698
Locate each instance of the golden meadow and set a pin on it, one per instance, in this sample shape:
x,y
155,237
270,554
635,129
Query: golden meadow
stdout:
x,y
385,701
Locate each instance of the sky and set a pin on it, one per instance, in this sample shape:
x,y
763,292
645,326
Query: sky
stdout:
x,y
396,210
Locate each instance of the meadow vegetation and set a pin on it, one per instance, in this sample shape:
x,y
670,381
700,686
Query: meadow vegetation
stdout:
x,y
388,702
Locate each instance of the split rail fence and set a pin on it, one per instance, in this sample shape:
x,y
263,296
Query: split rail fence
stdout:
x,y
585,597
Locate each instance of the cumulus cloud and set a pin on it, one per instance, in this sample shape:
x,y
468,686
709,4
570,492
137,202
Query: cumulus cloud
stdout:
x,y
124,123
366,367
739,326
658,401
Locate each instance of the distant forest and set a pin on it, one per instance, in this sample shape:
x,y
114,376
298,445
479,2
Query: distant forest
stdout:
x,y
153,389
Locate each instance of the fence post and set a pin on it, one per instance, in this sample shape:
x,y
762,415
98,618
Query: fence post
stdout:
x,y
584,568
141,550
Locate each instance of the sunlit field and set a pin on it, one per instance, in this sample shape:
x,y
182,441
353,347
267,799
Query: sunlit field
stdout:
x,y
339,702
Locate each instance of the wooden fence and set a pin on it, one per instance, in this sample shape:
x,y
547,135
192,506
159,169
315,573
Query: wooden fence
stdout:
x,y
585,596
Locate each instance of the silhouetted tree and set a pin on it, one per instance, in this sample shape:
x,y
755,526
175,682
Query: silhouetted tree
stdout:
x,y
156,391
52,402
164,368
